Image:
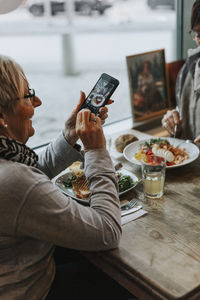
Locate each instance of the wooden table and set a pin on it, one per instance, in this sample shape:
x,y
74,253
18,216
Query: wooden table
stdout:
x,y
159,254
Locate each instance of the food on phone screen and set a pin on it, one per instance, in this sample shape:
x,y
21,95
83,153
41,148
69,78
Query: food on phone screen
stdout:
x,y
123,140
101,93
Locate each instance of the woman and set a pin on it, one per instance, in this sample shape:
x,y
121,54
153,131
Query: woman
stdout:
x,y
186,116
35,215
147,98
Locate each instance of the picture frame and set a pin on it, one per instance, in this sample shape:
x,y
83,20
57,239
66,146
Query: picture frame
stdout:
x,y
148,83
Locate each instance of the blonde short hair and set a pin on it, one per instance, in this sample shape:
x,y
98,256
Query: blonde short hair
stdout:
x,y
12,82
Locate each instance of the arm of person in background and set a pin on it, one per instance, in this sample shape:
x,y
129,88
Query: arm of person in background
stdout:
x,y
170,120
61,153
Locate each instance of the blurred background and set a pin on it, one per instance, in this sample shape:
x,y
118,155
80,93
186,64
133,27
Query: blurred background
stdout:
x,y
64,46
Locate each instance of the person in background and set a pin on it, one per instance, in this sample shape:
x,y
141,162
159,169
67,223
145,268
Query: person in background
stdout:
x,y
186,115
36,216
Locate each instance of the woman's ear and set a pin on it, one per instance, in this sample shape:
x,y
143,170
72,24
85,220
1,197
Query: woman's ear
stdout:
x,y
2,121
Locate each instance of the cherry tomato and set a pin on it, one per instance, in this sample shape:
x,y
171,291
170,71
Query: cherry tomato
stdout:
x,y
149,152
169,163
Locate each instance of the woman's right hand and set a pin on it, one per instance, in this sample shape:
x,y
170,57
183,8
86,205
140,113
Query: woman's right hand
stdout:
x,y
90,131
170,119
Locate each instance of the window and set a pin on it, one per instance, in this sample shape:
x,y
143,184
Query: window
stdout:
x,y
98,41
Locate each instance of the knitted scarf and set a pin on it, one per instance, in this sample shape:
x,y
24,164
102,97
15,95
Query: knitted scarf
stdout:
x,y
15,151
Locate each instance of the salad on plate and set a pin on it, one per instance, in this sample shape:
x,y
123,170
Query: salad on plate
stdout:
x,y
162,147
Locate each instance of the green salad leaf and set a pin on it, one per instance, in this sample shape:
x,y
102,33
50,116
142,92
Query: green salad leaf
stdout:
x,y
125,182
68,180
158,141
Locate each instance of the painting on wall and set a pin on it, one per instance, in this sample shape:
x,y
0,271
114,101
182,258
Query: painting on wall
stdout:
x,y
148,84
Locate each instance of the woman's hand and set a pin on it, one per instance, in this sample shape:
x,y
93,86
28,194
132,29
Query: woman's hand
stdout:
x,y
197,140
70,125
170,119
90,131
103,113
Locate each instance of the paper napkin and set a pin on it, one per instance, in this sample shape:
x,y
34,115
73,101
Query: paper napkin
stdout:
x,y
133,216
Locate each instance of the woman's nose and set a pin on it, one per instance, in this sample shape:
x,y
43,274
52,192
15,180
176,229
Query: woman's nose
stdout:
x,y
36,101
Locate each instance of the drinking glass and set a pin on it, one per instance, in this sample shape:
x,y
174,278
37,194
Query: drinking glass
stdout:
x,y
153,174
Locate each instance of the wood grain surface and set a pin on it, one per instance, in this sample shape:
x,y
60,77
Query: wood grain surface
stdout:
x,y
159,254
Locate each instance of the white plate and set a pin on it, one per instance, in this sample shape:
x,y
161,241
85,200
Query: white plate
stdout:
x,y
190,148
69,191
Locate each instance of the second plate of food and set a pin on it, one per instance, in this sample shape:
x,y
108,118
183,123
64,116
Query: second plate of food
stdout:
x,y
183,155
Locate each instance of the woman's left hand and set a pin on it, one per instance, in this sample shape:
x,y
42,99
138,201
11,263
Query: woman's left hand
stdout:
x,y
70,124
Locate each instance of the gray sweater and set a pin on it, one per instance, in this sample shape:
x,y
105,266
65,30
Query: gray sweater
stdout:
x,y
35,216
188,95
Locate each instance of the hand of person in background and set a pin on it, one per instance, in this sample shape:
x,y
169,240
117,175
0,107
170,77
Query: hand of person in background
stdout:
x,y
170,119
70,125
197,140
90,131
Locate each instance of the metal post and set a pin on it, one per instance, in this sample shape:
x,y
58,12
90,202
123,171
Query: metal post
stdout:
x,y
68,41
68,60
47,9
69,10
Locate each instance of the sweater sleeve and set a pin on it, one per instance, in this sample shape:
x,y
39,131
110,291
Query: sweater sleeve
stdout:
x,y
46,214
57,156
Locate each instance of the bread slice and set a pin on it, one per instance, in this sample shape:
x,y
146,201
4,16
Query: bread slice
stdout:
x,y
76,170
81,187
123,140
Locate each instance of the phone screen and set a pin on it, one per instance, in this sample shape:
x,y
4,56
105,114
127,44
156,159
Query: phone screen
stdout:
x,y
100,93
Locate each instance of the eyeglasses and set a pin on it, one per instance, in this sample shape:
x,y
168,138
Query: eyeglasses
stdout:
x,y
194,34
31,94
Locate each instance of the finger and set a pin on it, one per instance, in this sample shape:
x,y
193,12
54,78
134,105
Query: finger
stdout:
x,y
81,115
110,101
92,119
103,110
166,125
78,120
86,116
176,117
171,125
81,101
98,121
163,121
168,121
103,117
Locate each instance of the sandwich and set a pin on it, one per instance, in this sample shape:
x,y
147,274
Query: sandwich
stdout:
x,y
80,185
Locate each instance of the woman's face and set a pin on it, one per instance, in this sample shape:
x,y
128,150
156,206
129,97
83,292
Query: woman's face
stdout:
x,y
196,29
19,121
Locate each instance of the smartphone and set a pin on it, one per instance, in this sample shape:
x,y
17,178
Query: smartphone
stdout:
x,y
101,93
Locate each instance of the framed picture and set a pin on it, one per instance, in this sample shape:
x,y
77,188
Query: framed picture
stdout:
x,y
148,84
